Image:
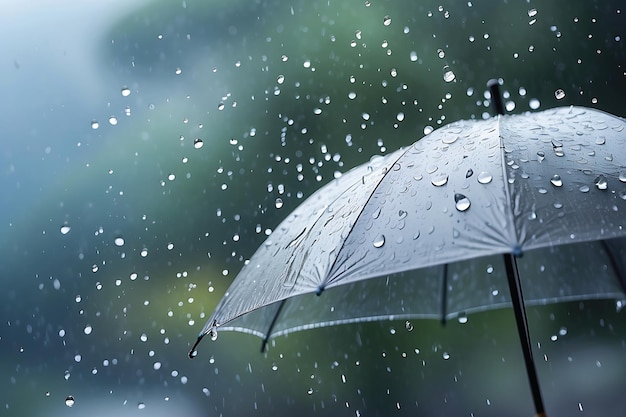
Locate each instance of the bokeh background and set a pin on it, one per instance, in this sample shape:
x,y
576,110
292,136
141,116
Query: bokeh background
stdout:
x,y
149,147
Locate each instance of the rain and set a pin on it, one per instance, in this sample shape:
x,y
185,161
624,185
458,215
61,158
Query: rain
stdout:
x,y
149,149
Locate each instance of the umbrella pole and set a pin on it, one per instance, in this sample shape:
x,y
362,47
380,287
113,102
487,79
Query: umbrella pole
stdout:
x,y
522,328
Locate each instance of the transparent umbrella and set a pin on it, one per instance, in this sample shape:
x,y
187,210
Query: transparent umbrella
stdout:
x,y
441,228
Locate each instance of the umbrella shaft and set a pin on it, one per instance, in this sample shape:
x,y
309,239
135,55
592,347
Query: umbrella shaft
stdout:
x,y
522,327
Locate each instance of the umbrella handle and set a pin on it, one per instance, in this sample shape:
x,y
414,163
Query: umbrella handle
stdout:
x,y
517,298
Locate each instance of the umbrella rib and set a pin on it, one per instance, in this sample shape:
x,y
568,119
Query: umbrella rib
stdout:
x,y
266,338
444,294
615,265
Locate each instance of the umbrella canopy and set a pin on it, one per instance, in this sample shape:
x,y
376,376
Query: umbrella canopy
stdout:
x,y
443,224
468,191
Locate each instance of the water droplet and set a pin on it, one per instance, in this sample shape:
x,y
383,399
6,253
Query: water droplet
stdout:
x,y
280,79
213,334
119,241
469,173
401,214
559,94
279,203
379,241
439,180
534,104
351,95
462,202
440,53
448,74
541,156
69,401
94,124
112,120
600,140
387,21
65,229
141,406
428,130
556,180
197,143
220,106
445,356
601,182
622,176
484,177
125,91
584,189
462,318
408,325
400,116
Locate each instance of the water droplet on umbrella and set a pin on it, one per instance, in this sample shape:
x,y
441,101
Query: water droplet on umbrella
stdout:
x,y
622,176
408,325
556,180
402,214
601,140
584,189
376,213
439,180
428,130
469,173
279,203
119,241
65,229
462,202
213,334
112,120
416,235
541,155
387,21
484,177
379,241
69,401
125,91
94,124
197,143
559,94
601,182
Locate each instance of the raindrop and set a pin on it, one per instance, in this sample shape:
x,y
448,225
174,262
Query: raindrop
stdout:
x,y
119,241
469,173
601,140
65,229
462,318
413,56
484,177
220,106
279,203
69,401
440,53
213,334
462,202
141,406
379,241
556,180
387,21
88,329
428,130
559,94
534,104
448,74
446,356
94,124
439,180
400,116
113,120
408,325
125,91
197,143
584,189
601,182
622,176
351,95
280,79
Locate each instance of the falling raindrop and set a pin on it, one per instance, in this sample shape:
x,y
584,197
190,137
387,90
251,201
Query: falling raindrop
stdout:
x,y
462,202
119,241
448,74
94,124
484,177
534,104
379,241
125,91
65,229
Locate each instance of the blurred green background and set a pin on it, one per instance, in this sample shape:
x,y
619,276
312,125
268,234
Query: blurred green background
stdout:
x,y
149,149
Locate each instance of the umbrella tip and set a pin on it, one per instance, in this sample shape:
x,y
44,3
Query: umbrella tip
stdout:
x,y
193,352
496,99
319,290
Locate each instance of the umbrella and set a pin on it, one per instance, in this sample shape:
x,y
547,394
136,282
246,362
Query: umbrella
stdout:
x,y
445,225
